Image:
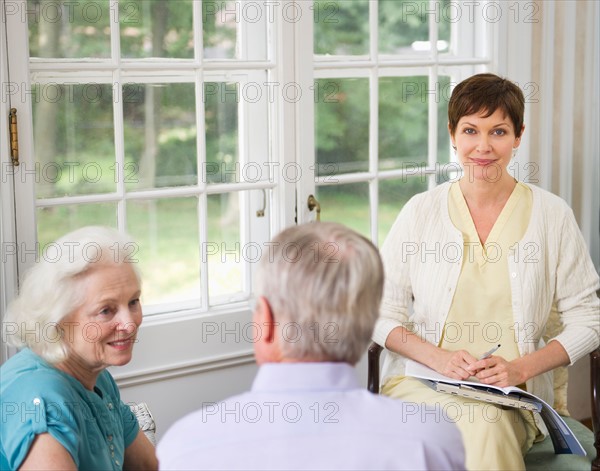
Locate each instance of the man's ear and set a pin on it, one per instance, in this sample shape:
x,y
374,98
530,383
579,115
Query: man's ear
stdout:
x,y
266,346
263,316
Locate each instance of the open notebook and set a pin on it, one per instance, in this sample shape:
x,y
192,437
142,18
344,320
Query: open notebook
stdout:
x,y
562,437
512,399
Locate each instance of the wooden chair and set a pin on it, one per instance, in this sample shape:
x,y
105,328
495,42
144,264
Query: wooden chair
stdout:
x,y
541,456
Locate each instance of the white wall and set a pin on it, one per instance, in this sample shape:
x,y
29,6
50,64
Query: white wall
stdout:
x,y
171,398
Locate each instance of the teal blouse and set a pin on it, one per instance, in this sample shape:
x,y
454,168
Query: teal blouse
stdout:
x,y
95,427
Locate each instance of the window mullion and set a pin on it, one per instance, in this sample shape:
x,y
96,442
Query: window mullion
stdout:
x,y
433,97
198,31
202,211
119,136
301,66
432,115
201,159
246,122
374,118
115,34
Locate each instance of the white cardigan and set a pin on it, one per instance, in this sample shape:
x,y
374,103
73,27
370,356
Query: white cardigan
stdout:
x,y
550,264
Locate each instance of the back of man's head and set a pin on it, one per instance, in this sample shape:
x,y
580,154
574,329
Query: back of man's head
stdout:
x,y
323,283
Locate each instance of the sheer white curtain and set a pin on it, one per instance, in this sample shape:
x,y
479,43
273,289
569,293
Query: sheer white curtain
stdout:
x,y
564,113
563,125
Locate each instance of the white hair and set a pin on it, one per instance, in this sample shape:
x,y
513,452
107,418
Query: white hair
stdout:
x,y
51,288
324,283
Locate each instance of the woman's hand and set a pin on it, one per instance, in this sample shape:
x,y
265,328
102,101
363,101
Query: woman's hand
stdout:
x,y
496,371
454,364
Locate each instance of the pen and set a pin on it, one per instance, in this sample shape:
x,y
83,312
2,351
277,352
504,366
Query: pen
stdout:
x,y
489,353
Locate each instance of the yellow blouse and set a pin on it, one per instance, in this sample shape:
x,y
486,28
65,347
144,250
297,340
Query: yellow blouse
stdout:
x,y
481,315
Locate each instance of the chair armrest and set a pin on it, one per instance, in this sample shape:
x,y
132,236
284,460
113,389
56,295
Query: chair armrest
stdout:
x,y
145,420
595,384
373,367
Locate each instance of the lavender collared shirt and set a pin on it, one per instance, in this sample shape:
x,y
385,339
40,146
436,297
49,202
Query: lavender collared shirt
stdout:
x,y
312,416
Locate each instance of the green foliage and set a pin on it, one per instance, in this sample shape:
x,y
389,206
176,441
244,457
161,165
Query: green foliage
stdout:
x,y
403,120
342,105
342,123
219,37
172,117
156,28
401,22
341,27
68,29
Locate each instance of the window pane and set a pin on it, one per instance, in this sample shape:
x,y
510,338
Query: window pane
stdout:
x,y
403,128
219,23
221,117
342,125
347,204
160,135
73,131
55,221
393,195
156,28
223,249
167,235
341,27
404,25
67,29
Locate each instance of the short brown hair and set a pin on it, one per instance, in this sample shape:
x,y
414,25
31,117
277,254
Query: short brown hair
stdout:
x,y
486,93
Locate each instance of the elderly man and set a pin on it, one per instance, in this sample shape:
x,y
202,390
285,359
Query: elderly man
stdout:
x,y
318,296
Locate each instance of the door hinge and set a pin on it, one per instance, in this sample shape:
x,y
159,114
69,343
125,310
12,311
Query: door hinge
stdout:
x,y
14,137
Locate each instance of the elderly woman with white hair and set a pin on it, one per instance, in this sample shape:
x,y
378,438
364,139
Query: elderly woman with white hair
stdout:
x,y
77,313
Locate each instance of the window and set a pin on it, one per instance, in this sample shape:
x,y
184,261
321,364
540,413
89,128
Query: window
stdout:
x,y
152,116
383,76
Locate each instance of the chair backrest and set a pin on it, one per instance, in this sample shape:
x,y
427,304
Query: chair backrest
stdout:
x,y
595,382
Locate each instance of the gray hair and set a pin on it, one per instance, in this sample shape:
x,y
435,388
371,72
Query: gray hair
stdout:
x,y
324,283
51,288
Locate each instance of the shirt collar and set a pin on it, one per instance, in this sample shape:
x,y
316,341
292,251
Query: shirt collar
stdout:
x,y
305,377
